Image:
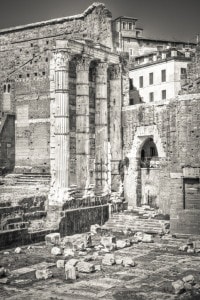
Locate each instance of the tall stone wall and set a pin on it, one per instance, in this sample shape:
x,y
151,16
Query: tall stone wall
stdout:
x,y
175,128
25,55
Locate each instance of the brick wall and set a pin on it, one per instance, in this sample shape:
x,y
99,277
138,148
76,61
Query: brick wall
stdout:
x,y
177,124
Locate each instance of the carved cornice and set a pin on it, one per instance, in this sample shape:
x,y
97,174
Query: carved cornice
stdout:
x,y
115,71
62,58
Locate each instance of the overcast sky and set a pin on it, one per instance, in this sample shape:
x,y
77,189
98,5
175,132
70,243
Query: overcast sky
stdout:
x,y
174,19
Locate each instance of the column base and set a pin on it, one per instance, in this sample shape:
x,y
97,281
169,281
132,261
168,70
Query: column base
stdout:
x,y
58,196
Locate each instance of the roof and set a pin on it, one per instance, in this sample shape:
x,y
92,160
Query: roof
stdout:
x,y
53,21
125,17
164,40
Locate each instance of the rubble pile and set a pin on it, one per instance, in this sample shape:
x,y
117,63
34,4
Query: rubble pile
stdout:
x,y
190,247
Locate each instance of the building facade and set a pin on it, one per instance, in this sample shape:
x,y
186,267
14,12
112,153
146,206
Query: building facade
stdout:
x,y
66,83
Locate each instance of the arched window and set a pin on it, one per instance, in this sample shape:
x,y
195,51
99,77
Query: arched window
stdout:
x,y
8,88
4,88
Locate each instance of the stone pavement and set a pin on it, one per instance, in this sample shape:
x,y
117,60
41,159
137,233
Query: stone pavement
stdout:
x,y
158,264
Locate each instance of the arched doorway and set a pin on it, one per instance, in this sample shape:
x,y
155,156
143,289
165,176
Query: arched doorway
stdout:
x,y
148,176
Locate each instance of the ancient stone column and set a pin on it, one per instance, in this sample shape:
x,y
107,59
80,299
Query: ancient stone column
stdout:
x,y
82,124
115,124
101,130
62,140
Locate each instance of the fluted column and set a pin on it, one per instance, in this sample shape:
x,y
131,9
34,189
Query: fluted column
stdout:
x,y
82,124
115,124
62,140
101,130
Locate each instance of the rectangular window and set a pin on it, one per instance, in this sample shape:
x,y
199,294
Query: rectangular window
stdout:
x,y
141,81
151,97
130,26
131,83
183,73
164,94
123,25
163,75
150,78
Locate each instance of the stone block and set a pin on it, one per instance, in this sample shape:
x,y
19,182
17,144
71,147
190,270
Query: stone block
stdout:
x,y
108,260
18,250
98,267
85,267
178,286
189,278
121,244
138,236
68,252
95,229
128,262
60,263
119,261
72,262
56,251
71,273
52,238
183,248
147,238
43,274
108,240
196,246
88,241
187,286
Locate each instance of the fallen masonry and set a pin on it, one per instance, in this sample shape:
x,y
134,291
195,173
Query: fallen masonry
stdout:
x,y
159,265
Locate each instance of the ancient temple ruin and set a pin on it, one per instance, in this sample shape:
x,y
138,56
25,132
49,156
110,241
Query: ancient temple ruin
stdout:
x,y
67,119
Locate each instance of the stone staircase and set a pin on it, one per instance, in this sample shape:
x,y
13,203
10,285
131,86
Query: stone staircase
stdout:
x,y
136,220
33,178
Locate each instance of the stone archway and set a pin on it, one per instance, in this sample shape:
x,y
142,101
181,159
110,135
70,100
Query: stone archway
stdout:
x,y
132,180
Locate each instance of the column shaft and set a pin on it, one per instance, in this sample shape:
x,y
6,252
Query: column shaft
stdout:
x,y
82,123
62,147
115,125
101,130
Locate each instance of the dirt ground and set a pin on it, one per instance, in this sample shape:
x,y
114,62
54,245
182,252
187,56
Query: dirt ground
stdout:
x,y
158,264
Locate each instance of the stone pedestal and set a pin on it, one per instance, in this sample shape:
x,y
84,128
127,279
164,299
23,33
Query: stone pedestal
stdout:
x,y
115,125
82,124
101,130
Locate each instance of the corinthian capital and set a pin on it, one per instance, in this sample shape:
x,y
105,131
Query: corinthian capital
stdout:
x,y
62,58
102,68
115,71
83,63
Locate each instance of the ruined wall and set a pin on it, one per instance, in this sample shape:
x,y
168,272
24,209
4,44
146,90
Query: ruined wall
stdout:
x,y
25,53
177,126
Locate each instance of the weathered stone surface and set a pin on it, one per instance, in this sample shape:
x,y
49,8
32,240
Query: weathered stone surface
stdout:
x,y
68,252
52,238
178,286
138,236
60,263
108,260
183,248
147,238
95,229
128,262
18,250
71,272
56,251
43,274
119,261
72,262
98,267
189,279
85,267
108,240
121,244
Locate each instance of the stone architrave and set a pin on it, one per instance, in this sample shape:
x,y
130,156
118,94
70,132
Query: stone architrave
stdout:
x,y
101,130
115,124
82,123
59,192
